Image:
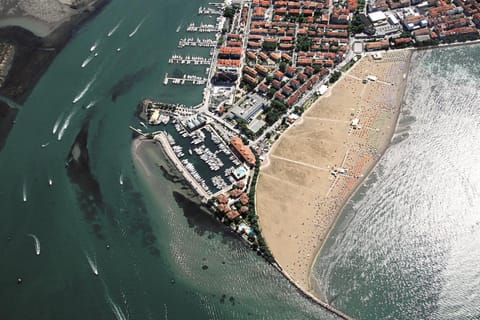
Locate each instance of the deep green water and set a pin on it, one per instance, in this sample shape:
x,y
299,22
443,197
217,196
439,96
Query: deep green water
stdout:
x,y
166,260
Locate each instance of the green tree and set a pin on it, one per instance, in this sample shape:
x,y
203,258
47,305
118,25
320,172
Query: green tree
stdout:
x,y
335,76
356,25
229,12
304,43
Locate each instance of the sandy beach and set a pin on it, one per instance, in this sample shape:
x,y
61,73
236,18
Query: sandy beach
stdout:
x,y
298,198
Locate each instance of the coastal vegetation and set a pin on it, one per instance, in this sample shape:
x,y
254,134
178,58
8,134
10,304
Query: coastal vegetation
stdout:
x,y
335,76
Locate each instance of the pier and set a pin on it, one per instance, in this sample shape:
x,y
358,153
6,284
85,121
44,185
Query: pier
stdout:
x,y
186,79
209,11
191,42
202,28
189,60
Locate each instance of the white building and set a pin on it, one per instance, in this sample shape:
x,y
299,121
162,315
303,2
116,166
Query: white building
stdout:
x,y
377,16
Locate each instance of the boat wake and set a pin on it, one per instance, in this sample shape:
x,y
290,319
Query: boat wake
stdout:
x,y
117,311
178,28
85,90
120,180
37,243
65,125
92,263
57,123
111,32
90,104
137,28
87,61
24,191
45,144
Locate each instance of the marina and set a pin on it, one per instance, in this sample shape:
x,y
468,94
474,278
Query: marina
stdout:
x,y
189,60
186,79
198,42
195,145
208,11
202,28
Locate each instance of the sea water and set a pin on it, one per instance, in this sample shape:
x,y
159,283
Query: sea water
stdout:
x,y
406,245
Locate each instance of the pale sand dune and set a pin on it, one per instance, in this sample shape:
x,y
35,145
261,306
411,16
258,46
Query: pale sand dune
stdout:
x,y
297,198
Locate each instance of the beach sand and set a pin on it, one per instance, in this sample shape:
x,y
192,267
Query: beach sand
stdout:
x,y
298,199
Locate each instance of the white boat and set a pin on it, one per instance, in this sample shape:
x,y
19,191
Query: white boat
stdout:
x,y
86,61
45,144
50,182
190,151
92,48
24,193
119,49
136,28
120,180
111,32
143,124
37,243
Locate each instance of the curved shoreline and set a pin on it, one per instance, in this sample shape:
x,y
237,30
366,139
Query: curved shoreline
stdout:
x,y
306,287
369,170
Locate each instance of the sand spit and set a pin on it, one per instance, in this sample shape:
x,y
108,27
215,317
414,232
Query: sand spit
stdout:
x,y
298,198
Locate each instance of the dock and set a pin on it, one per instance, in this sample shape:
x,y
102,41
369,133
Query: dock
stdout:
x,y
209,11
162,138
205,28
198,60
191,42
186,79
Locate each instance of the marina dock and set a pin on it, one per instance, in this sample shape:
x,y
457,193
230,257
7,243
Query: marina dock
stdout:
x,y
189,60
162,138
191,42
209,11
202,28
186,79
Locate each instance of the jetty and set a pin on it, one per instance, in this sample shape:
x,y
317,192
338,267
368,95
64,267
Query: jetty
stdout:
x,y
191,42
186,79
209,11
202,28
189,60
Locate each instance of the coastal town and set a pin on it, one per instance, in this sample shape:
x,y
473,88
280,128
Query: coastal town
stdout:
x,y
274,159
268,64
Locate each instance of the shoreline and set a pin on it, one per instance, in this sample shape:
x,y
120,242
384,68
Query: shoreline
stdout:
x,y
307,286
33,56
175,176
373,166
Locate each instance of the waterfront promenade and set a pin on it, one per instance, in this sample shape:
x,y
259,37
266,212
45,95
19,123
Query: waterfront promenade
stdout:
x,y
317,164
